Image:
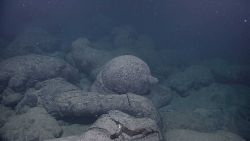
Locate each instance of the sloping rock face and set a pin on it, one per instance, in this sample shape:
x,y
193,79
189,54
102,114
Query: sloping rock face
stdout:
x,y
36,124
124,74
20,72
118,126
62,99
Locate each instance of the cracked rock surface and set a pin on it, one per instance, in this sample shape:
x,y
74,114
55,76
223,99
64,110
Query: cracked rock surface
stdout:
x,y
118,126
62,99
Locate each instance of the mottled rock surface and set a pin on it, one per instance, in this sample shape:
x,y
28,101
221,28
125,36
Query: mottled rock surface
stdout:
x,y
124,74
20,72
118,126
62,99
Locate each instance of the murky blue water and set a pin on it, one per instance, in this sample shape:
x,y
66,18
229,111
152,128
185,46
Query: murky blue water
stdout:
x,y
198,50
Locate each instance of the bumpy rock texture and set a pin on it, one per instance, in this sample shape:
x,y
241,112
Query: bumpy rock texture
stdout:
x,y
124,74
118,126
36,124
62,99
18,73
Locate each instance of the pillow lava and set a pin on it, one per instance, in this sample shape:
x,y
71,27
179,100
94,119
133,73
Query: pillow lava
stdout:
x,y
62,99
18,73
124,74
118,126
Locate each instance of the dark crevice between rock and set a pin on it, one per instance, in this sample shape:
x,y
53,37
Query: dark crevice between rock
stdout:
x,y
129,103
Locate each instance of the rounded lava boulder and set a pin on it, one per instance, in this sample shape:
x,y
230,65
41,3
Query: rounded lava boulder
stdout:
x,y
124,74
